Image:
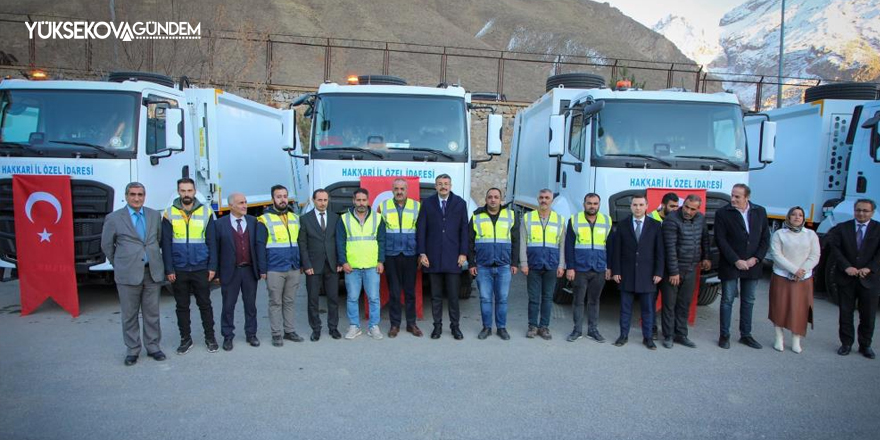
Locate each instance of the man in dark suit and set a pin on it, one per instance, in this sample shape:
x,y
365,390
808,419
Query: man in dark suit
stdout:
x,y
855,245
637,263
743,238
317,250
442,243
236,244
131,240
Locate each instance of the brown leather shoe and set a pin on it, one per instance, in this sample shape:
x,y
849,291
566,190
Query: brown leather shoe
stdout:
x,y
392,333
414,329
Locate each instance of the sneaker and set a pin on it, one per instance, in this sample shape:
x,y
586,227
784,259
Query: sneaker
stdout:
x,y
574,336
594,335
212,345
185,344
544,333
502,333
277,341
533,331
353,332
375,333
484,333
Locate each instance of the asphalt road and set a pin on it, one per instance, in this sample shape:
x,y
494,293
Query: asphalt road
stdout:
x,y
63,378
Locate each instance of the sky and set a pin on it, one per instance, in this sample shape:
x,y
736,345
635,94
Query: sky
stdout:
x,y
704,13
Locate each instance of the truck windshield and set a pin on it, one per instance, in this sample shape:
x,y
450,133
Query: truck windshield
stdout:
x,y
62,123
396,127
683,132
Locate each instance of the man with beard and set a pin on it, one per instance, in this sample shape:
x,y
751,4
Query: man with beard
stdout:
x,y
586,264
187,250
400,215
360,249
541,253
277,234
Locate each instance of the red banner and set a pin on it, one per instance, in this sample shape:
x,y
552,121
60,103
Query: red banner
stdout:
x,y
44,241
655,197
380,190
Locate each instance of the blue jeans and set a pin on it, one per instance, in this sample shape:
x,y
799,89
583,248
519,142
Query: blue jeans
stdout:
x,y
729,292
494,284
541,284
369,279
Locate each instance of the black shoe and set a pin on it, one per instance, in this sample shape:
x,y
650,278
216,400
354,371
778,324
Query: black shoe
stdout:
x,y
253,341
867,352
844,350
315,336
335,334
484,333
185,344
502,333
157,355
621,341
227,344
292,336
211,343
683,340
277,341
649,343
574,336
594,335
667,342
654,334
438,330
724,342
750,341
456,333
130,360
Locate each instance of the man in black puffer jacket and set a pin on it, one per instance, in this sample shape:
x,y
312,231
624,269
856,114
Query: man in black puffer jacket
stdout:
x,y
686,239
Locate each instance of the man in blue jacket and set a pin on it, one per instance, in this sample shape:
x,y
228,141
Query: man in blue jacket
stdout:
x,y
187,250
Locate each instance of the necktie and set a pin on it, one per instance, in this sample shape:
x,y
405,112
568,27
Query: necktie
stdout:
x,y
238,228
323,224
443,206
141,227
638,229
860,236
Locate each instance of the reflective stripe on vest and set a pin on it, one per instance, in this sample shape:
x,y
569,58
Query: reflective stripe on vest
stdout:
x,y
281,235
656,216
361,242
188,229
393,222
591,237
537,234
500,233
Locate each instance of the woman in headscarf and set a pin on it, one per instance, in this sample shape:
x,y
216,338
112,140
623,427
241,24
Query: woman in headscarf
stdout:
x,y
795,252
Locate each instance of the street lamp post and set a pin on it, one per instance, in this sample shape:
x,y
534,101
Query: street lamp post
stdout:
x,y
781,47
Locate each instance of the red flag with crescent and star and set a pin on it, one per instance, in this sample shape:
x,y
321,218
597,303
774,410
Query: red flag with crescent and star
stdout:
x,y
44,241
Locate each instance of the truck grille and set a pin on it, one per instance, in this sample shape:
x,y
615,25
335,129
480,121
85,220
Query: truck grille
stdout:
x,y
91,202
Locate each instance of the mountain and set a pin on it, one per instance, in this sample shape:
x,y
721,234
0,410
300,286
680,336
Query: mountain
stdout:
x,y
700,44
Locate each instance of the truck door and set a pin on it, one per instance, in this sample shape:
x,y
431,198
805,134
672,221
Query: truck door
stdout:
x,y
574,171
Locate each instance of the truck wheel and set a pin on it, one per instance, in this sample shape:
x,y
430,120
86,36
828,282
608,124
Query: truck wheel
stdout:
x,y
578,80
708,294
847,90
564,293
464,291
832,293
385,80
141,76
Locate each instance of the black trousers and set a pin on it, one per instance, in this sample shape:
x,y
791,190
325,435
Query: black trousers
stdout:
x,y
329,281
677,304
400,271
850,297
445,285
587,285
242,281
187,285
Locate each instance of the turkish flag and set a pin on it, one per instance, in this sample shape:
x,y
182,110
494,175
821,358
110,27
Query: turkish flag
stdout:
x,y
655,197
44,241
380,190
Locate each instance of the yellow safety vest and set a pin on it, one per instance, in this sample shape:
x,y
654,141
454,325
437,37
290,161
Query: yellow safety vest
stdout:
x,y
537,234
281,234
188,229
497,233
361,241
656,215
591,237
394,223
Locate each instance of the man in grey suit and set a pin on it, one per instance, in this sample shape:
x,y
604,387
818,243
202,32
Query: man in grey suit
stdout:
x,y
317,248
130,240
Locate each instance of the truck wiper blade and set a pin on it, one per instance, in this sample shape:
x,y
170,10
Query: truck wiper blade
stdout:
x,y
643,156
426,150
21,145
361,150
86,144
716,159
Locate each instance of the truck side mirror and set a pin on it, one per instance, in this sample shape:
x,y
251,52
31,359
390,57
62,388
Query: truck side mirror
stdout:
x,y
288,131
493,135
767,148
874,136
174,129
557,136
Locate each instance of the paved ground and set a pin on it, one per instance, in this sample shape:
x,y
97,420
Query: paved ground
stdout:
x,y
63,378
